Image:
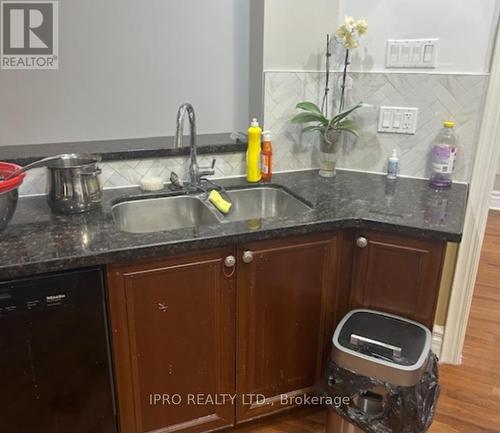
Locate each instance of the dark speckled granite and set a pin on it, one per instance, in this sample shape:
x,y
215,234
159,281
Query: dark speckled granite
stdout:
x,y
122,149
38,241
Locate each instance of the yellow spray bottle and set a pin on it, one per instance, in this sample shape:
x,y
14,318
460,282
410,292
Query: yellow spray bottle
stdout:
x,y
253,152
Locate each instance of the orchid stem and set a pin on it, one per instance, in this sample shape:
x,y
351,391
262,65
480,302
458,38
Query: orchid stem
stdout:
x,y
344,79
324,105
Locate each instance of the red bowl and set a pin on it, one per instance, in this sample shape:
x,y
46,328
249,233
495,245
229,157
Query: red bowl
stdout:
x,y
6,169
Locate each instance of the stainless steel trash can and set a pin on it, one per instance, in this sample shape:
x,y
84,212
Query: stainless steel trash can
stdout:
x,y
382,346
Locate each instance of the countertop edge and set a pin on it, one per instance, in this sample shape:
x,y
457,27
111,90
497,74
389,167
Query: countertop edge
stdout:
x,y
150,252
124,149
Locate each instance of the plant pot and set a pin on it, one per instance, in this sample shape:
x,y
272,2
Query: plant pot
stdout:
x,y
329,146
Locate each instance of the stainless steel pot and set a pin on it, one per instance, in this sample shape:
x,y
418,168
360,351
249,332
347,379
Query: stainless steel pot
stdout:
x,y
73,183
8,204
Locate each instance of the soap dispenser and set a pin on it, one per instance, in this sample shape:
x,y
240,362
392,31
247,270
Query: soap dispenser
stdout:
x,y
254,152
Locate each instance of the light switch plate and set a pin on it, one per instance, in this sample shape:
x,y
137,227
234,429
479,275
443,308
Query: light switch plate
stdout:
x,y
412,53
398,120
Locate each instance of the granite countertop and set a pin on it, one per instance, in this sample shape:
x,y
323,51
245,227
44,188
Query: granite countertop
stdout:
x,y
38,241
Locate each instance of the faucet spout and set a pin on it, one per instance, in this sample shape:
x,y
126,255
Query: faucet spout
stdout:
x,y
179,130
195,172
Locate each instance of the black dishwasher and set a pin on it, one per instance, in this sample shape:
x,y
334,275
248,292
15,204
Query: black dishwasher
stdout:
x,y
55,370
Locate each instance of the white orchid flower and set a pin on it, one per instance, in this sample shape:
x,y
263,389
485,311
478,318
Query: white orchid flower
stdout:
x,y
361,26
350,30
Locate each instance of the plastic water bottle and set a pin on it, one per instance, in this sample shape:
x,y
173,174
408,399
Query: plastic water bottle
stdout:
x,y
443,156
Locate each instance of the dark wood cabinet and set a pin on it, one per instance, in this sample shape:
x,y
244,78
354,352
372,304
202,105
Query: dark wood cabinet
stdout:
x,y
173,336
256,327
286,308
397,275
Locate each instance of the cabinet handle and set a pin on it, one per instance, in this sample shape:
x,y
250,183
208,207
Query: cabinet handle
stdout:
x,y
230,261
247,257
229,266
362,242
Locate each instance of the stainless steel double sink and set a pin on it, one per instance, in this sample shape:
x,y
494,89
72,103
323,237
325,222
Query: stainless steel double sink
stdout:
x,y
148,215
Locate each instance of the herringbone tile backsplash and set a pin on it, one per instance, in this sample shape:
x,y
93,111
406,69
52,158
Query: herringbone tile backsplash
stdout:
x,y
438,97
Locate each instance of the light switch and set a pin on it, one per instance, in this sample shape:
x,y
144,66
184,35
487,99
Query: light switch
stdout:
x,y
398,120
405,54
396,124
416,53
428,53
394,54
412,53
387,119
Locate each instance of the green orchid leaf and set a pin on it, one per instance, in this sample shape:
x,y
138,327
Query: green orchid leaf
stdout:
x,y
345,113
313,128
350,130
309,106
347,123
307,117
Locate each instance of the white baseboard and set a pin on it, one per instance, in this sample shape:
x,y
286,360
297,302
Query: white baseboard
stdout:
x,y
437,339
495,200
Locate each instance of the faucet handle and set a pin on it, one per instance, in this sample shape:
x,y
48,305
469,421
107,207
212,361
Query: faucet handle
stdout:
x,y
175,180
208,171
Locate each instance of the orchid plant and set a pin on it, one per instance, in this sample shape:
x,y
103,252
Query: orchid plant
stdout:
x,y
347,35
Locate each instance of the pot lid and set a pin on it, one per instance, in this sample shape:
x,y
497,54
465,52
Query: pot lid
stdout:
x,y
74,160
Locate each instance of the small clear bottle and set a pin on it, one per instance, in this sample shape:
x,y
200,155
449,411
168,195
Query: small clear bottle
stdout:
x,y
393,165
443,156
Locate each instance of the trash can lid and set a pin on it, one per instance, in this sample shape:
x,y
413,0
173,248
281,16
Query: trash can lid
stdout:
x,y
381,345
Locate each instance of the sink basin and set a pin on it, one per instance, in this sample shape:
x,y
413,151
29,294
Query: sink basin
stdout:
x,y
263,202
149,215
162,213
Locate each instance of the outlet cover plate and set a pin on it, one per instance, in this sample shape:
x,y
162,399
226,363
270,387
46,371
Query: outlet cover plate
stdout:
x,y
412,53
398,120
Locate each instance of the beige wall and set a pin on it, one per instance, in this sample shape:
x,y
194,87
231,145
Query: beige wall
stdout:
x,y
497,180
125,67
295,33
446,284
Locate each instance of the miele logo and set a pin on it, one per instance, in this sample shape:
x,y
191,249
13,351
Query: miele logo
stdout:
x,y
55,298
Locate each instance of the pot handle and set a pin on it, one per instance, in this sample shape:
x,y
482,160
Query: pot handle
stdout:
x,y
35,164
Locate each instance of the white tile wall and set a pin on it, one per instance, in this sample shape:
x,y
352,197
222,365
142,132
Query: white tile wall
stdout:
x,y
130,172
438,97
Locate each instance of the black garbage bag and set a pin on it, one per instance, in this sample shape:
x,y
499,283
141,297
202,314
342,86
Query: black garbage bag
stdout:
x,y
404,409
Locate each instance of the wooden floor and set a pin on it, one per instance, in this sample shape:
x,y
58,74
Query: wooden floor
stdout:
x,y
470,393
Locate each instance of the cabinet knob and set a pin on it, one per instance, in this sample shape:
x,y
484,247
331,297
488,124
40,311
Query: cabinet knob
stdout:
x,y
362,242
230,261
247,256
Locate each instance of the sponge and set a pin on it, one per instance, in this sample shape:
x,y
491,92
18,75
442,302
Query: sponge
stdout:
x,y
152,183
216,199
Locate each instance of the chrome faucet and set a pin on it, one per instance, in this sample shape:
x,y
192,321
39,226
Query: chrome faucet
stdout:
x,y
195,171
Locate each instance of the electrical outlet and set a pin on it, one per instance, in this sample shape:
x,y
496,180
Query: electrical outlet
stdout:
x,y
412,53
398,120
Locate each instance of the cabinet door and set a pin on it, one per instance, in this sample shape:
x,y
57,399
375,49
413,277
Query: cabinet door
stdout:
x,y
285,307
397,275
173,337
